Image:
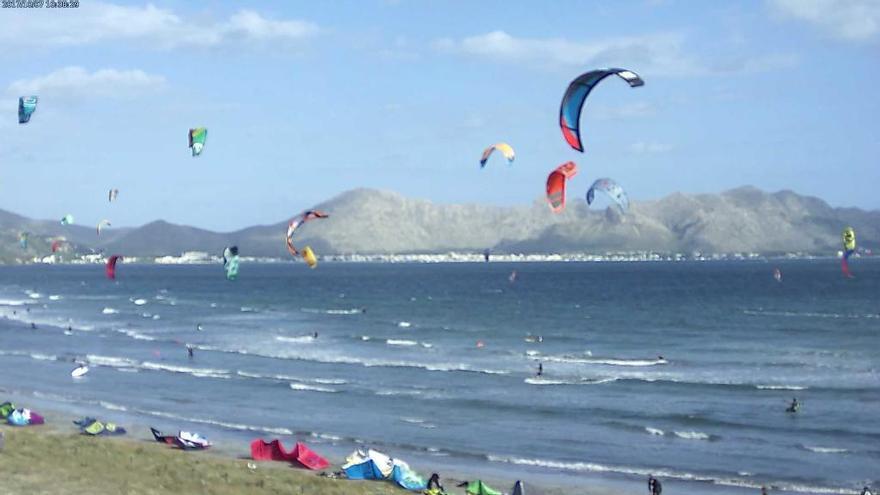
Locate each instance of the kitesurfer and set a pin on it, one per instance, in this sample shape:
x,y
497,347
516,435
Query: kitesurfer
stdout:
x,y
33,326
189,350
793,408
763,490
866,491
315,336
434,482
540,369
199,327
364,310
654,486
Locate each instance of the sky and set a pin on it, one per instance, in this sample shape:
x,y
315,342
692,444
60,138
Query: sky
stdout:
x,y
305,100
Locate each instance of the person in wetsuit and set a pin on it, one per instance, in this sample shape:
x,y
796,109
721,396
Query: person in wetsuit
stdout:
x,y
434,482
189,350
654,486
795,405
540,369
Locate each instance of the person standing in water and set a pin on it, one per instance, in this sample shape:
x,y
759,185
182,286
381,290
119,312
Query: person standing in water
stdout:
x,y
654,486
540,369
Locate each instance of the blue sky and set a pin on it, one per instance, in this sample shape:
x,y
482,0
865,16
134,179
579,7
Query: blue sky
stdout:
x,y
305,100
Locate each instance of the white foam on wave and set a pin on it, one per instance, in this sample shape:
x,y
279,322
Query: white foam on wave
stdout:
x,y
311,388
421,423
603,362
111,406
139,302
692,435
780,387
393,392
665,473
655,431
248,309
536,380
44,357
810,314
34,295
323,381
825,450
302,339
404,324
14,302
401,342
109,311
197,372
111,361
135,335
224,424
54,297
351,311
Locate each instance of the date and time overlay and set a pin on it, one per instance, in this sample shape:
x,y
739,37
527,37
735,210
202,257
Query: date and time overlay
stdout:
x,y
39,4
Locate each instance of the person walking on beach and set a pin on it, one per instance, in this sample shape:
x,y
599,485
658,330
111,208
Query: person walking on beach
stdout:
x,y
654,486
434,483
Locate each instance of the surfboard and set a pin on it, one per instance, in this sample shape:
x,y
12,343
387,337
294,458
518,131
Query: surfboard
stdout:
x,y
80,371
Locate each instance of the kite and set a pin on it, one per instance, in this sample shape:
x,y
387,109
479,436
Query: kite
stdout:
x,y
849,247
27,105
575,96
502,148
556,185
197,139
612,189
230,262
111,196
295,224
102,224
110,269
67,219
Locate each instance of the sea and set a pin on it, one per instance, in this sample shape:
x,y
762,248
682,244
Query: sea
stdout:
x,y
683,370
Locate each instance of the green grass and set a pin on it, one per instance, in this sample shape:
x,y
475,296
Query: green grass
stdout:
x,y
36,460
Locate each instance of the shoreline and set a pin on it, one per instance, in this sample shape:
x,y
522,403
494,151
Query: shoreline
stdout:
x,y
22,456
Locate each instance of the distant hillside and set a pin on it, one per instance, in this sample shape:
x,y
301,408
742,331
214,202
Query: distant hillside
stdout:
x,y
365,221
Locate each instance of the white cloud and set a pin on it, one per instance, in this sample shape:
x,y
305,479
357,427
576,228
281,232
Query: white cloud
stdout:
x,y
643,147
77,82
96,22
658,54
852,20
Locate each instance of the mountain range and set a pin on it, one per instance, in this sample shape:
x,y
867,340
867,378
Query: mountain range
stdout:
x,y
367,221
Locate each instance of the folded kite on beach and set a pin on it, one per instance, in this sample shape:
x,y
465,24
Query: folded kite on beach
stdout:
x,y
24,417
300,454
374,465
91,426
480,488
184,439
